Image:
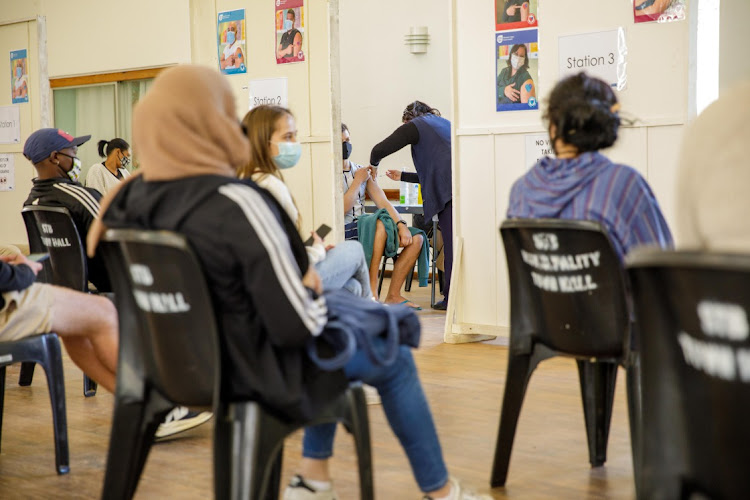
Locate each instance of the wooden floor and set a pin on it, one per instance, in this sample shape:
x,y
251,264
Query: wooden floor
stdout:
x,y
463,383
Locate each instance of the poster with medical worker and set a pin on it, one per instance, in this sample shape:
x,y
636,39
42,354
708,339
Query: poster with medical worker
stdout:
x,y
290,31
517,70
231,33
516,14
19,76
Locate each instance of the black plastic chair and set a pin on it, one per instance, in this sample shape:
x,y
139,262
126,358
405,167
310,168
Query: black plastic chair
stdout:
x,y
45,350
173,359
51,229
695,356
568,297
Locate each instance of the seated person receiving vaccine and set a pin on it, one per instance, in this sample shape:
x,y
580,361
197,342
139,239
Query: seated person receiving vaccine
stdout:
x,y
358,180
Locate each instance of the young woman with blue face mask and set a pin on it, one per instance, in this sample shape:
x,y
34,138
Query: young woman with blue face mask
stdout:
x,y
272,132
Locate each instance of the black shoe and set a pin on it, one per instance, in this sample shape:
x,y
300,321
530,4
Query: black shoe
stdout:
x,y
179,420
441,306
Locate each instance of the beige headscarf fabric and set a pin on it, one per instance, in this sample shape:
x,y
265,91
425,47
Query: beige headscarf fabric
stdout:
x,y
713,177
187,125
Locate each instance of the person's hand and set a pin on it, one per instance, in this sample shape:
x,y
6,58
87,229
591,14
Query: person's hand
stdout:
x,y
512,93
316,238
512,9
312,280
394,175
404,235
362,175
373,171
19,259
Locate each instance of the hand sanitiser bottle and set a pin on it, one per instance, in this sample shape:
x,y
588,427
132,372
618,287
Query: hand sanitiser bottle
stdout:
x,y
403,190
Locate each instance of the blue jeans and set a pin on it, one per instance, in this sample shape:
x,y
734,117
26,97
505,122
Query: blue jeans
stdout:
x,y
345,267
407,411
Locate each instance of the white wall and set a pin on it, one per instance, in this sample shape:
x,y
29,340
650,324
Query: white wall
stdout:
x,y
379,75
489,146
734,39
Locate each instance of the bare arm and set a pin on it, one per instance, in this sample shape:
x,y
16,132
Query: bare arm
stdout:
x,y
360,176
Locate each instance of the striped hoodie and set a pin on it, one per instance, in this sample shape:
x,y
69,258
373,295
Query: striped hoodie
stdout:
x,y
591,187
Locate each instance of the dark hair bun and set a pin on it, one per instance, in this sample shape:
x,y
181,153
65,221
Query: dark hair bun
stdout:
x,y
100,146
581,109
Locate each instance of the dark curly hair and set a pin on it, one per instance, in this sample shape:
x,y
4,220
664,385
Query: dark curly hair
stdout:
x,y
583,110
417,108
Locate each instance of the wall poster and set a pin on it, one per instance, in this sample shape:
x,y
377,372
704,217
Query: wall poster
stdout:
x,y
661,11
290,30
7,172
516,14
19,75
231,41
516,70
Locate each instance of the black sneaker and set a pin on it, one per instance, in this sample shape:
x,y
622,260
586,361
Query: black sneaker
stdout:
x,y
179,420
298,489
441,306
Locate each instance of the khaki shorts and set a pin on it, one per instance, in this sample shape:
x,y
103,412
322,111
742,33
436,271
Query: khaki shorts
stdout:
x,y
27,312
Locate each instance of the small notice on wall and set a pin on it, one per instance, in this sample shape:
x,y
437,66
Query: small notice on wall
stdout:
x,y
290,30
231,30
7,172
601,54
537,147
19,76
270,91
10,125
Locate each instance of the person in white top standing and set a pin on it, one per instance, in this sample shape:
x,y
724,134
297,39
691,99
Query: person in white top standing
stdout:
x,y
107,174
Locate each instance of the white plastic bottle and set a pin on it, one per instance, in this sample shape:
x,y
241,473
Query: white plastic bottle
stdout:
x,y
413,194
403,190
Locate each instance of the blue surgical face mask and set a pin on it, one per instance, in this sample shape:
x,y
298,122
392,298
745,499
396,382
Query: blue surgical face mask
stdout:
x,y
230,37
288,24
19,71
289,153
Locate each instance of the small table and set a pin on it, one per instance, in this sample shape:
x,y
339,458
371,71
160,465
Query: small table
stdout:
x,y
418,210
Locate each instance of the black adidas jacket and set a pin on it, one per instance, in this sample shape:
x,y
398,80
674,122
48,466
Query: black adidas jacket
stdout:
x,y
83,205
253,260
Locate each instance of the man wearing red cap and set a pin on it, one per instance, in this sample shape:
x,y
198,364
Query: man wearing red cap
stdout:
x,y
53,153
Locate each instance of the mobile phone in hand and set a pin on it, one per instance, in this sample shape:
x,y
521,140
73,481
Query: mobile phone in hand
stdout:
x,y
322,231
38,257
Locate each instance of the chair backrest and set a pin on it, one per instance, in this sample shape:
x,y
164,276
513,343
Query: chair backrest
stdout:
x,y
567,287
168,334
36,246
693,311
54,231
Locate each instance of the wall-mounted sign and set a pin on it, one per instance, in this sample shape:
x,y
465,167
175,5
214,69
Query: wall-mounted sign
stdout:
x,y
290,31
231,33
10,125
601,54
7,172
19,76
537,147
272,91
516,70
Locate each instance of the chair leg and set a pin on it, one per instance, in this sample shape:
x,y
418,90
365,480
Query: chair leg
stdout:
x,y
27,373
516,380
253,438
89,386
360,429
52,365
409,279
134,424
598,381
2,399
382,274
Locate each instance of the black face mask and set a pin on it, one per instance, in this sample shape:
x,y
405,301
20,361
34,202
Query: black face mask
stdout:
x,y
347,150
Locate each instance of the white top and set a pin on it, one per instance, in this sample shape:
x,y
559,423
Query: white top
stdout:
x,y
359,201
101,179
280,191
231,50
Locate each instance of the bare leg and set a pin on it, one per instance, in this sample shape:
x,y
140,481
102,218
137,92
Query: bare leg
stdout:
x,y
404,265
87,325
378,247
315,469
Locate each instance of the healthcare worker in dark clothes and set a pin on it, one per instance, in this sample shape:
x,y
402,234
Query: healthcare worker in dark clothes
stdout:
x,y
429,135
